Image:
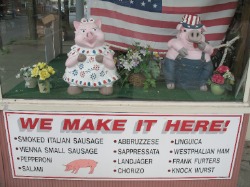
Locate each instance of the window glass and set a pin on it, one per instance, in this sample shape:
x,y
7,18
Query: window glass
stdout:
x,y
124,50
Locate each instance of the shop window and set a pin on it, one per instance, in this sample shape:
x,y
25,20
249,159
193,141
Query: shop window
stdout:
x,y
147,63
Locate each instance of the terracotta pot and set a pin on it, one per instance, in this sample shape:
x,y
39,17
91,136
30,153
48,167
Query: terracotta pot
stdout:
x,y
30,82
44,86
217,89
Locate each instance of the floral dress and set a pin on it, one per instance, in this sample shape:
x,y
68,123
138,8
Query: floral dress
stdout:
x,y
90,73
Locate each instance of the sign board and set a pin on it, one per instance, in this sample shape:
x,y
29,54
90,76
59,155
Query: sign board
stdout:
x,y
121,146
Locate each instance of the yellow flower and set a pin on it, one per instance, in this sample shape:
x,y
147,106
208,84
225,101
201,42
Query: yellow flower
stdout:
x,y
156,54
41,65
51,70
44,74
35,72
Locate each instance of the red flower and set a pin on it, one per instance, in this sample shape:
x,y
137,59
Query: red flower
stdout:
x,y
222,69
218,79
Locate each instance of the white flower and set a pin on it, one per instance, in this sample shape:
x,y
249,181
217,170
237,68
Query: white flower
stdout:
x,y
228,75
26,74
136,55
127,65
143,52
135,62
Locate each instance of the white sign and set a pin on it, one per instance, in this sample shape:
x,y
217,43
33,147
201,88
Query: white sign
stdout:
x,y
92,146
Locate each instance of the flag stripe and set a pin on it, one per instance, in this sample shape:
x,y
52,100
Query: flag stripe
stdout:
x,y
154,30
114,10
124,25
138,35
199,10
112,38
141,17
132,19
152,23
124,45
194,3
128,40
151,37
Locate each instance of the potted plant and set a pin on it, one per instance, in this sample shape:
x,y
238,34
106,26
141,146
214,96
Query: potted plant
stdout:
x,y
221,80
43,72
139,66
25,73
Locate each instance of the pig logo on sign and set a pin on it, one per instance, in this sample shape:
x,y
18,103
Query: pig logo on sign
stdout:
x,y
90,62
188,64
81,163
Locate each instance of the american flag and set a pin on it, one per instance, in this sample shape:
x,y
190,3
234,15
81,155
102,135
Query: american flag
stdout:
x,y
153,22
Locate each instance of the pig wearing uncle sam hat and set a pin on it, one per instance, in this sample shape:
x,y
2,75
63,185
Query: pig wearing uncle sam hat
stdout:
x,y
90,62
188,64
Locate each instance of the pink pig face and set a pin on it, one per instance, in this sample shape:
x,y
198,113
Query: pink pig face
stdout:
x,y
191,35
88,34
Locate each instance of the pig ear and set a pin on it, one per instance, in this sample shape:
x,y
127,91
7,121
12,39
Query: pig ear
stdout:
x,y
98,22
179,26
76,24
203,28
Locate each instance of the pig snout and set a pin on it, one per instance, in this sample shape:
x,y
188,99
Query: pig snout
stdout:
x,y
194,36
89,36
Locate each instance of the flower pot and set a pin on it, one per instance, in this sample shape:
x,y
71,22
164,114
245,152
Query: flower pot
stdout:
x,y
137,79
44,86
217,89
30,82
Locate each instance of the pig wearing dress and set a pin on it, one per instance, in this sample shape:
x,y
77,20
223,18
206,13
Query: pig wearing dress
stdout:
x,y
90,62
188,64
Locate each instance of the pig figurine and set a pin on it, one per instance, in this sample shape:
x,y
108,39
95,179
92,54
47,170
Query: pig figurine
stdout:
x,y
90,62
81,163
188,64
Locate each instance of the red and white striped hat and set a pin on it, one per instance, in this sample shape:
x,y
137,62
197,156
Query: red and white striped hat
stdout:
x,y
191,21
